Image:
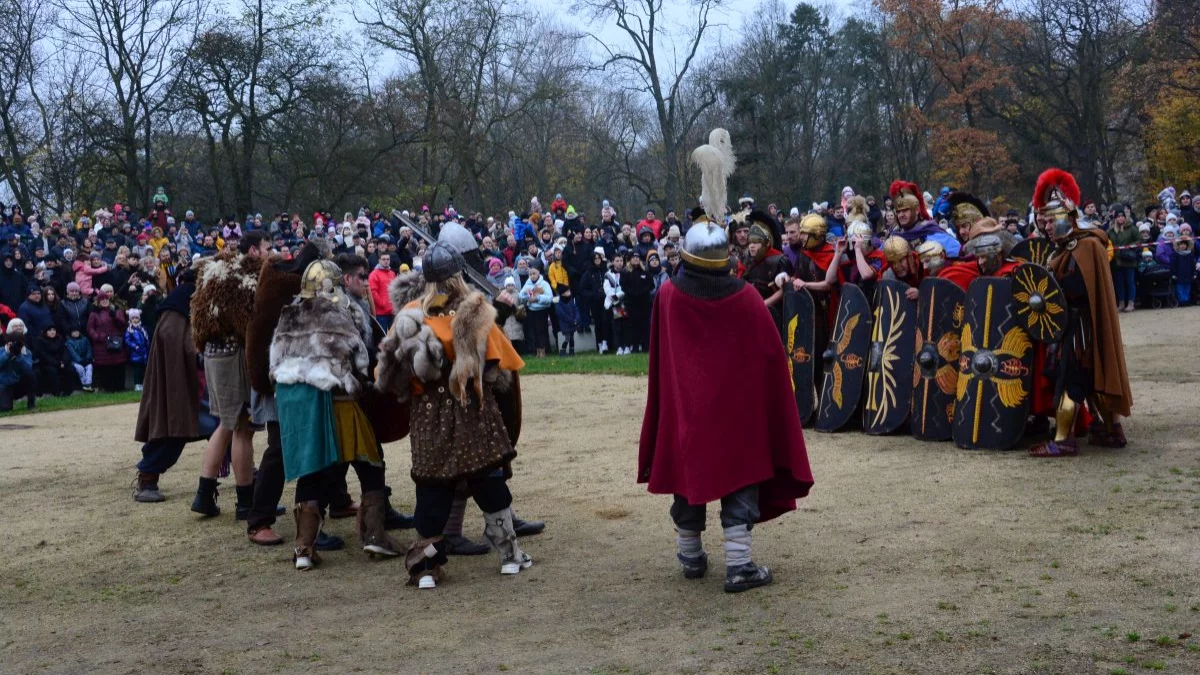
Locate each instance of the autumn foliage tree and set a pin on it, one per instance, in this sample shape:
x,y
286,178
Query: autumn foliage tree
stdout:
x,y
959,39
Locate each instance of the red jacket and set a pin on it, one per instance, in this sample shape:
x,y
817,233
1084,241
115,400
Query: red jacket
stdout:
x,y
655,226
378,281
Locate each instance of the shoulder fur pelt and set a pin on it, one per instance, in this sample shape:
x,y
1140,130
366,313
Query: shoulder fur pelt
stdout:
x,y
405,288
224,298
409,350
316,343
276,289
473,320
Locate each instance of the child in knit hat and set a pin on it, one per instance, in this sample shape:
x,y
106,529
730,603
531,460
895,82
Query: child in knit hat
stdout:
x,y
138,344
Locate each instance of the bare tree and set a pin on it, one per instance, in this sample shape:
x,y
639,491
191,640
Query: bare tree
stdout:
x,y
132,43
24,20
659,62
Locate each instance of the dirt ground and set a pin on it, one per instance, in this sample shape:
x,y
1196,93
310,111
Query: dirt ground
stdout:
x,y
908,557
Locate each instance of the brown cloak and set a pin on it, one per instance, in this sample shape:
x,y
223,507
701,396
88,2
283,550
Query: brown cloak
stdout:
x,y
276,289
170,406
1090,252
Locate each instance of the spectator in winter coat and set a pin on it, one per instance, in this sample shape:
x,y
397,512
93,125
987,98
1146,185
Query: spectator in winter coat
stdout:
x,y
568,319
79,348
72,311
646,242
557,273
1124,238
12,283
16,370
378,281
86,273
51,363
106,330
538,298
591,297
1187,210
651,222
36,315
137,342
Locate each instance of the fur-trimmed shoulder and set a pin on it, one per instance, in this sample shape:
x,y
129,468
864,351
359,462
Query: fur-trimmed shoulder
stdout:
x,y
405,288
473,319
317,343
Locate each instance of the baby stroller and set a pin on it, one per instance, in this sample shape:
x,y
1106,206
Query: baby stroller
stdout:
x,y
1157,289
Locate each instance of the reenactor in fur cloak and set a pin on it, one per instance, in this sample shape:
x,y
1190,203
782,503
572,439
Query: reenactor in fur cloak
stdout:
x,y
449,360
221,309
408,287
319,364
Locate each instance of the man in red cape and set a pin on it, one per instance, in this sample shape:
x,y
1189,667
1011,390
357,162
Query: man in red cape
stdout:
x,y
719,428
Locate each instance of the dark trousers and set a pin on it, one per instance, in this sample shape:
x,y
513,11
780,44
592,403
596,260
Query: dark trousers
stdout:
x,y
160,454
268,484
385,320
622,333
49,380
739,508
315,486
1124,280
539,322
639,316
434,500
110,378
139,373
24,388
602,318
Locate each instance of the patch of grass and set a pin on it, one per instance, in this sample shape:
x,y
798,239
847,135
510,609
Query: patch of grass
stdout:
x,y
1132,637
942,636
904,636
76,402
584,364
1054,565
1166,641
1118,671
1072,594
947,606
1176,471
1171,608
1154,665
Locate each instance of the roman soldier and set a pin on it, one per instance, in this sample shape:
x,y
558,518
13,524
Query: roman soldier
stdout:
x,y
934,261
1089,361
765,261
739,240
903,264
865,264
756,465
913,222
965,210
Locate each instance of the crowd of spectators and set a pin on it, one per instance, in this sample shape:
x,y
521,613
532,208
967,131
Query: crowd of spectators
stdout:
x,y
79,293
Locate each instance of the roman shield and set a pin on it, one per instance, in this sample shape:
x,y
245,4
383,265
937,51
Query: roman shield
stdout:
x,y
1036,251
1040,302
799,315
994,369
845,360
890,359
940,314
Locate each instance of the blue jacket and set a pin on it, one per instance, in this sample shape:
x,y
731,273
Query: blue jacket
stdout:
x,y
568,315
138,344
80,349
522,229
36,317
13,369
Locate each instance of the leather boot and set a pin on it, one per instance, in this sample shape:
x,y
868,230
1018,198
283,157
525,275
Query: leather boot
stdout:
x,y
372,513
146,490
245,499
308,524
498,528
205,502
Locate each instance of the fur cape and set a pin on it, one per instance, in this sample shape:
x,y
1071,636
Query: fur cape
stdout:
x,y
318,343
276,289
224,298
411,350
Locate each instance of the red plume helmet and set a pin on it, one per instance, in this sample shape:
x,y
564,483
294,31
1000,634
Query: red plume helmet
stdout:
x,y
908,194
1056,184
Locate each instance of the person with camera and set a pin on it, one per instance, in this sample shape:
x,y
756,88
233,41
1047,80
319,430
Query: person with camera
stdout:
x,y
16,368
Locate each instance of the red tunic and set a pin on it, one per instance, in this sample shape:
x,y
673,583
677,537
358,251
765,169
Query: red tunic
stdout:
x,y
961,274
713,424
823,256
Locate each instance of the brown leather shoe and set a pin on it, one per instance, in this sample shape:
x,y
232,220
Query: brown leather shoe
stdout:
x,y
348,511
264,536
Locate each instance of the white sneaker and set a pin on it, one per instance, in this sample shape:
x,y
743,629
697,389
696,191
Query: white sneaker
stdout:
x,y
304,563
603,347
515,566
426,581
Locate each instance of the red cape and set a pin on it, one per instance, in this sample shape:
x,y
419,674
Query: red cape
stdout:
x,y
823,256
716,424
960,273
